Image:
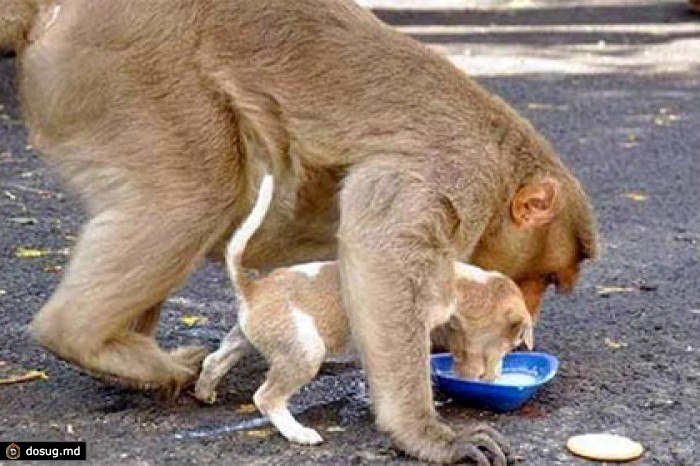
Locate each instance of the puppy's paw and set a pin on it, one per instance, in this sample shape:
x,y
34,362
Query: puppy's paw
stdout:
x,y
304,436
204,394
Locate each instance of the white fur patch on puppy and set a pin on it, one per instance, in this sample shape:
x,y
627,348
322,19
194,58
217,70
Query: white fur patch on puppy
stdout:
x,y
441,314
310,269
291,429
473,273
307,334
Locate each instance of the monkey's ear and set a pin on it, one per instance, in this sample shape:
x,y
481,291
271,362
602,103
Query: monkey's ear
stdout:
x,y
534,204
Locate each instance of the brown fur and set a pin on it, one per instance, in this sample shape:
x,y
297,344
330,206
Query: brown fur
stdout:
x,y
16,18
295,318
161,115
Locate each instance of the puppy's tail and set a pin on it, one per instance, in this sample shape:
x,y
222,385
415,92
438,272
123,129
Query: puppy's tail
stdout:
x,y
16,19
239,240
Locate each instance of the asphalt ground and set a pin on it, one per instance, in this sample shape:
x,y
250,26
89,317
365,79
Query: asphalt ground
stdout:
x,y
614,85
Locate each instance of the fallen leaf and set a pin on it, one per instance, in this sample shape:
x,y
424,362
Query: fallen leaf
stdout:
x,y
543,106
638,197
631,141
615,344
24,220
29,253
27,377
247,408
609,290
261,433
532,412
191,321
53,269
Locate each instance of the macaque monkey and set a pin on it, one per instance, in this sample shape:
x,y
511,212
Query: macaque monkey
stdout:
x,y
163,115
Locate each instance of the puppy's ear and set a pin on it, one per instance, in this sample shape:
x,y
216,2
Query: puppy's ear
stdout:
x,y
534,204
522,328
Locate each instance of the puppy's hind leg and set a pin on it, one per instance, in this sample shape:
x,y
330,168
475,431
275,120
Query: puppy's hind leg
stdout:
x,y
285,377
289,371
217,364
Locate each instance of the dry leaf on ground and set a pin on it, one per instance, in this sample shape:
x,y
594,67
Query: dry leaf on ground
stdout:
x,y
26,377
609,290
30,253
192,321
247,408
261,433
614,344
637,197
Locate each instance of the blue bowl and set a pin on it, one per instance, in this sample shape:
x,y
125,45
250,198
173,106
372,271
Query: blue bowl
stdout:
x,y
506,394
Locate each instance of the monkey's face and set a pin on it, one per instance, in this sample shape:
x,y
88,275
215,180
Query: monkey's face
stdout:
x,y
535,245
479,339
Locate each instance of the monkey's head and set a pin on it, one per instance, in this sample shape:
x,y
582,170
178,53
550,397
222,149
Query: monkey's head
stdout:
x,y
486,326
542,237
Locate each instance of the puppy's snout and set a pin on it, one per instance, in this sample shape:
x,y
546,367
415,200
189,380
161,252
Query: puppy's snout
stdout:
x,y
494,368
469,371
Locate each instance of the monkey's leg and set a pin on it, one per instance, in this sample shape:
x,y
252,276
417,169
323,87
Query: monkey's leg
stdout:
x,y
147,323
126,262
390,257
218,363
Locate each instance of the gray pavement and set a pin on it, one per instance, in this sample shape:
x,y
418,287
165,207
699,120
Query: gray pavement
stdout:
x,y
614,85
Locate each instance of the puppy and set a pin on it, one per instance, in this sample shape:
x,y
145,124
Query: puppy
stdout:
x,y
295,318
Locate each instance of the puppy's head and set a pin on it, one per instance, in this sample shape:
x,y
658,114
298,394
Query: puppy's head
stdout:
x,y
491,320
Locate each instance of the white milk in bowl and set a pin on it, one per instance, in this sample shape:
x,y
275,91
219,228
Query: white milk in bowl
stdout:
x,y
515,378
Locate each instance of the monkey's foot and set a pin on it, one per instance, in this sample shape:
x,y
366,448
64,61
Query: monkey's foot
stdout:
x,y
167,373
437,443
190,356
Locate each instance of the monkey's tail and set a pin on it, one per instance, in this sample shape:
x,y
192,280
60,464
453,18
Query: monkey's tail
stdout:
x,y
239,240
16,20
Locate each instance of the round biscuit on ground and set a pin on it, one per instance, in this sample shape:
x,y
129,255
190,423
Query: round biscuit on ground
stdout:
x,y
604,447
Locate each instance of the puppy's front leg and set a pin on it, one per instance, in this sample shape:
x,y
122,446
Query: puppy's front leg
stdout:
x,y
217,364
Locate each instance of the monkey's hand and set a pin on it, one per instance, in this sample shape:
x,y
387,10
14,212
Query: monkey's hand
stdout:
x,y
437,442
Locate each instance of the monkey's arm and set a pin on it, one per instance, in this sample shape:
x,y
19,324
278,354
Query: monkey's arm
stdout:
x,y
395,267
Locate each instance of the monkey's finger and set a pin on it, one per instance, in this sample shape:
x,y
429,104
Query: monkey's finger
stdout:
x,y
470,451
492,448
496,436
